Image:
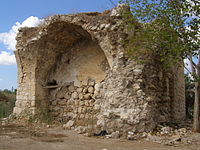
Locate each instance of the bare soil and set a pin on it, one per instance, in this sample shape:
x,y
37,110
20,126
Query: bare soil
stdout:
x,y
15,137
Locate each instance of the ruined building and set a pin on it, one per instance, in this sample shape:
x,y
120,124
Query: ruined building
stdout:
x,y
74,67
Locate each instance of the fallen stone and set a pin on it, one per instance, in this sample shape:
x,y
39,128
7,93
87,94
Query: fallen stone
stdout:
x,y
115,135
68,125
172,141
181,131
80,130
153,138
131,137
166,130
108,136
130,133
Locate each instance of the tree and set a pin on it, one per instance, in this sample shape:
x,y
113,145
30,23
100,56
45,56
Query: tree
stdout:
x,y
113,3
169,29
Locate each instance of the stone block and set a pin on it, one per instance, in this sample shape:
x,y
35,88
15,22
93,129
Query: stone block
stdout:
x,y
75,95
91,89
17,110
87,96
62,102
80,96
33,103
97,87
79,90
68,125
85,90
71,88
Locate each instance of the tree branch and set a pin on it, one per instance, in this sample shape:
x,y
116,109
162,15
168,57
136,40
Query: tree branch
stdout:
x,y
115,5
193,65
187,69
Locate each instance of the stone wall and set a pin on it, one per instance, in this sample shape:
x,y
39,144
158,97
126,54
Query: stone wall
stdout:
x,y
76,67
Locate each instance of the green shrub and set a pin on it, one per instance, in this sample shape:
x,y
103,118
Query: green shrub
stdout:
x,y
7,103
5,110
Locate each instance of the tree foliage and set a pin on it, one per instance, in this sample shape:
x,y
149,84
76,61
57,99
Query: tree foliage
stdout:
x,y
157,38
168,27
170,30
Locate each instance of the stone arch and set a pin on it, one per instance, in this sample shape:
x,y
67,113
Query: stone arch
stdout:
x,y
66,56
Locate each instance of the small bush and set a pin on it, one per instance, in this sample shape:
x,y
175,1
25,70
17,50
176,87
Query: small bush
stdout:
x,y
7,103
5,110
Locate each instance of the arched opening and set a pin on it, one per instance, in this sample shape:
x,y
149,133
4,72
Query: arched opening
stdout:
x,y
70,67
82,62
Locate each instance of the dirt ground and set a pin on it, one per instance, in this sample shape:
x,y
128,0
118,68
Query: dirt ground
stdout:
x,y
14,137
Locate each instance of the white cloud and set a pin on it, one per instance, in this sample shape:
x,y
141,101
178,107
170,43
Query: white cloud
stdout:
x,y
8,38
7,58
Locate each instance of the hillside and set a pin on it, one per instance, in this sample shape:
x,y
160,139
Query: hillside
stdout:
x,y
7,101
3,97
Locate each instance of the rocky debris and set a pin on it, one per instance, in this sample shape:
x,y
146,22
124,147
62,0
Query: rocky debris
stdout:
x,y
170,136
166,131
169,140
4,121
115,135
80,129
136,136
68,125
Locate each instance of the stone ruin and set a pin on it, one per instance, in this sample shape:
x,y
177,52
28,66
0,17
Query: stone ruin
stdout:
x,y
75,67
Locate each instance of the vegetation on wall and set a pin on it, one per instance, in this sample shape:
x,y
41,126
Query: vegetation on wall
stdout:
x,y
155,38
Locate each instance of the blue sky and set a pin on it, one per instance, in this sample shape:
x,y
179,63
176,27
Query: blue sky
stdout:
x,y
13,11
